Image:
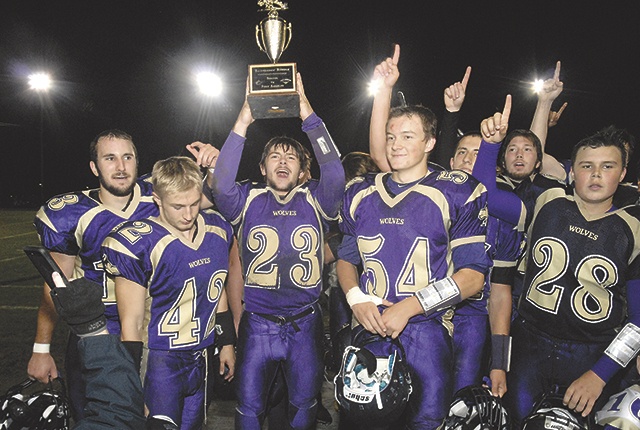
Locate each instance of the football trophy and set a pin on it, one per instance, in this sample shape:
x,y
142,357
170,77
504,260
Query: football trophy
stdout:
x,y
272,87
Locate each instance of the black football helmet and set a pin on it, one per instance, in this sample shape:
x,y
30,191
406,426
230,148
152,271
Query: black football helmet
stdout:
x,y
475,408
47,409
550,413
373,383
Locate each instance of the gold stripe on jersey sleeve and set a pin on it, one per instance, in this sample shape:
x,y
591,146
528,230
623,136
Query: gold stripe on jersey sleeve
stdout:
x,y
360,195
634,225
219,231
112,243
466,240
477,192
157,251
523,217
254,193
42,216
502,263
84,221
546,197
317,209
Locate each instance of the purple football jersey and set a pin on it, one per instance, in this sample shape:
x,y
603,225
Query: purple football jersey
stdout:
x,y
427,232
184,279
281,243
77,224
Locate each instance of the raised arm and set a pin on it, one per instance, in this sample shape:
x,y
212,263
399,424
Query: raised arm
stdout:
x,y
447,139
551,89
222,186
331,184
501,204
385,76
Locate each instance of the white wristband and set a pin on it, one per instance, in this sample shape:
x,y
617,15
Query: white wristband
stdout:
x,y
355,296
439,295
211,170
625,346
42,348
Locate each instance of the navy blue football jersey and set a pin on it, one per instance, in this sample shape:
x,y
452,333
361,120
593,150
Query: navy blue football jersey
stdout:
x,y
577,268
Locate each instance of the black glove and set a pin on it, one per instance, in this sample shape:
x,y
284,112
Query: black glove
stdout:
x,y
80,305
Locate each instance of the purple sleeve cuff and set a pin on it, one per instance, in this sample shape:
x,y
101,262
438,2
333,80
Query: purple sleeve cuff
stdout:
x,y
311,122
605,368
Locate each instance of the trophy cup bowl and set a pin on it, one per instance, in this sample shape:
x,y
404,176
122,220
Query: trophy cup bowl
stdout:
x,y
272,87
271,37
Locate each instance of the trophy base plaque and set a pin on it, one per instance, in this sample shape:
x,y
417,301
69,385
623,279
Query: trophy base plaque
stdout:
x,y
272,91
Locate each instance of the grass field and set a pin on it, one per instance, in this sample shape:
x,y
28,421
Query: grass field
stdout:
x,y
20,292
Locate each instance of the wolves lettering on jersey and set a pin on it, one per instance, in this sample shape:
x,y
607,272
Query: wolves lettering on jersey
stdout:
x,y
184,279
427,232
76,224
281,241
577,268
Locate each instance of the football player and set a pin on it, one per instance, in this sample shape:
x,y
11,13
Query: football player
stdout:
x,y
170,272
471,320
280,228
579,313
421,236
72,227
487,313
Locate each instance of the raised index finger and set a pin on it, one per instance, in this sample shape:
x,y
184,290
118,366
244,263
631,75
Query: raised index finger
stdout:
x,y
465,78
396,54
556,74
564,105
507,110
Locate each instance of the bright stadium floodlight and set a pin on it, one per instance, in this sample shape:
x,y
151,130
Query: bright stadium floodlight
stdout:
x,y
209,84
537,85
373,87
40,81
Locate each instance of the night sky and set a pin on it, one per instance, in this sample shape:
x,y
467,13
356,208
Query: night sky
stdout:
x,y
130,65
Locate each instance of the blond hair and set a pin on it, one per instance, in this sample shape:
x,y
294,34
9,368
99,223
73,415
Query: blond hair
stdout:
x,y
175,175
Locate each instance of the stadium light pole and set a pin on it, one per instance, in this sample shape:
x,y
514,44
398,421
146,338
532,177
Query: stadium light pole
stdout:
x,y
40,83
